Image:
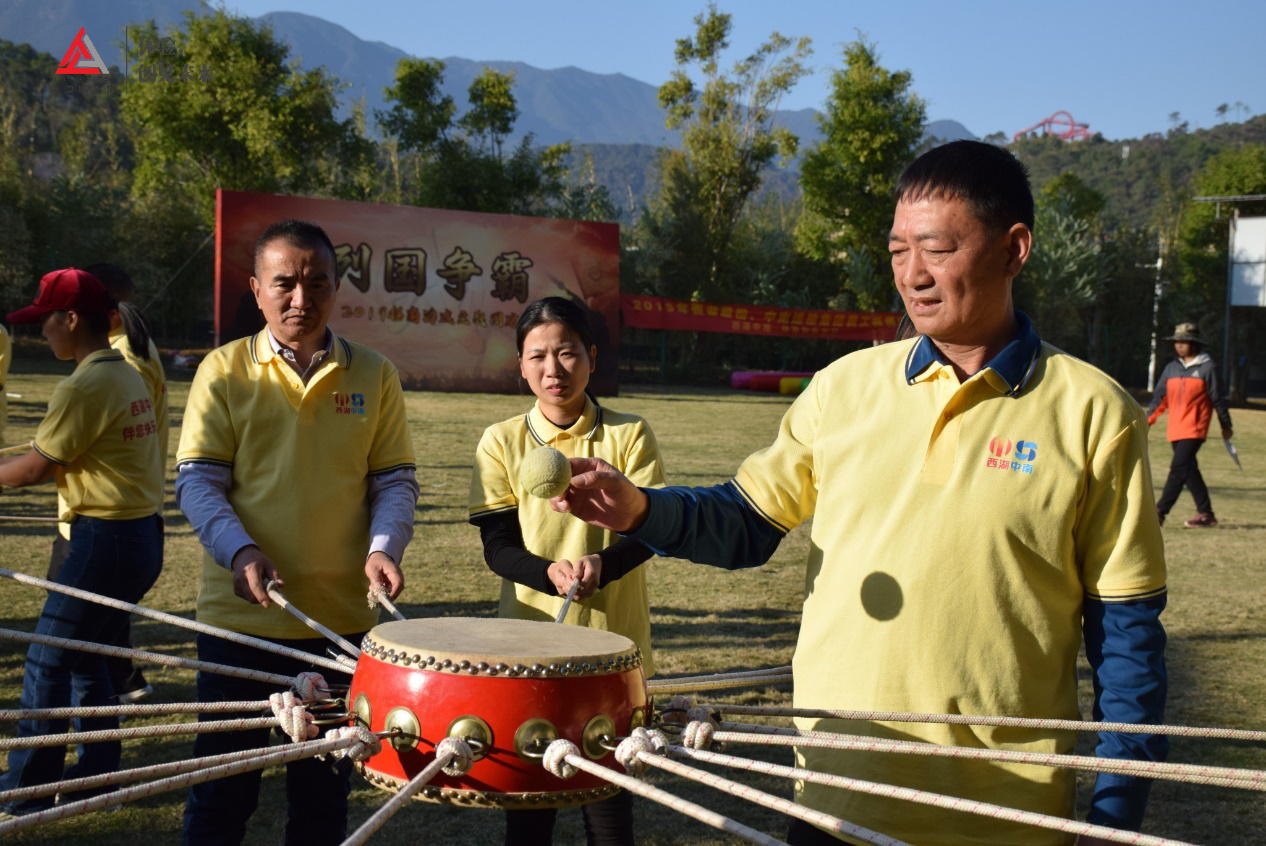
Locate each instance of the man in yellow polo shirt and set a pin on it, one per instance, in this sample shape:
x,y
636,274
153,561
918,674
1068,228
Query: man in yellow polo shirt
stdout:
x,y
982,503
295,466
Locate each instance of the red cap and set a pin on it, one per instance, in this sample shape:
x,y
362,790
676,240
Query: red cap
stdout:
x,y
65,290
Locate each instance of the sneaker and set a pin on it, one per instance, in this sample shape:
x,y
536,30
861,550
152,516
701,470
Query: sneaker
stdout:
x,y
1203,520
134,689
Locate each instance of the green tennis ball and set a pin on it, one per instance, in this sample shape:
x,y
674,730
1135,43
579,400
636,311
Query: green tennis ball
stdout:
x,y
545,472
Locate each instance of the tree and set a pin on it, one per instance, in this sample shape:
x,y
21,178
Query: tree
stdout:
x,y
250,119
729,136
872,125
460,162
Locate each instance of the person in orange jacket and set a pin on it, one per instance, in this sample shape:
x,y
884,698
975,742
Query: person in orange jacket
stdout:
x,y
1189,388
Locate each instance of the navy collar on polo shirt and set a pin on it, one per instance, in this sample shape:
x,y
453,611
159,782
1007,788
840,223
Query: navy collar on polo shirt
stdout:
x,y
1014,365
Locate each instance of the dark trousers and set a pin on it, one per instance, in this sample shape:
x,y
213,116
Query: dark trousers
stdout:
x,y
119,669
316,794
116,558
607,823
1184,470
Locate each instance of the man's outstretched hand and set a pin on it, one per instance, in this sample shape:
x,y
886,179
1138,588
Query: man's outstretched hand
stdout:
x,y
602,496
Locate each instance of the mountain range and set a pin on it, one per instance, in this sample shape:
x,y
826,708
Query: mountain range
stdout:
x,y
555,105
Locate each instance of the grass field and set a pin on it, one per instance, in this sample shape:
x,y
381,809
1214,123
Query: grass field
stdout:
x,y
704,619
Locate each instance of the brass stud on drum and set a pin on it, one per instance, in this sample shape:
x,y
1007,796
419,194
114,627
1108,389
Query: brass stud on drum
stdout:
x,y
470,727
596,730
532,737
637,719
361,712
406,727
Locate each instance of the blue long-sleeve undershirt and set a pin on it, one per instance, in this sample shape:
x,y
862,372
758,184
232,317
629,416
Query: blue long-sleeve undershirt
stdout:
x,y
1125,641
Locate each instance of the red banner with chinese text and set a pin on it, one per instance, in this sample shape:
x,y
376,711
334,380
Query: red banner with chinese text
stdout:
x,y
437,292
659,313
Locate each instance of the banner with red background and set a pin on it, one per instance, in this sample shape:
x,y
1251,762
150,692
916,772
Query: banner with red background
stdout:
x,y
659,313
437,292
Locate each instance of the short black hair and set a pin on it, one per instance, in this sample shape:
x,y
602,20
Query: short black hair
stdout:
x,y
990,180
554,310
297,233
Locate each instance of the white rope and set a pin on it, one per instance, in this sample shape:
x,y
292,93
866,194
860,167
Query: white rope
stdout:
x,y
658,688
152,657
567,761
36,741
381,595
141,791
1191,773
774,803
446,754
159,709
926,798
970,720
120,776
162,616
338,640
737,674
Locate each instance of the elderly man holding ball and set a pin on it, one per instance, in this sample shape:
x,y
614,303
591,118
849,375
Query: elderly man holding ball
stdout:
x,y
982,505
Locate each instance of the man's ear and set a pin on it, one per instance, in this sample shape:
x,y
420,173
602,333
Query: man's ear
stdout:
x,y
1019,248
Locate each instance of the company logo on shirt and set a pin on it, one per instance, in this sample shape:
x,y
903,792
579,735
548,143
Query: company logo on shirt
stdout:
x,y
1003,457
349,403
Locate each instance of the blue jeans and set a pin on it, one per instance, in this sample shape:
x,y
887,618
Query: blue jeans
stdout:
x,y
316,794
116,558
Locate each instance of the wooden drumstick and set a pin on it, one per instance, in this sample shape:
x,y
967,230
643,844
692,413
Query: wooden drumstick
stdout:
x,y
18,448
571,594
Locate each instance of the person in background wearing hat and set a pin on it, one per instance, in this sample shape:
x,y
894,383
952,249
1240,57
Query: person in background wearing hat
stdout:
x,y
1189,389
99,442
139,351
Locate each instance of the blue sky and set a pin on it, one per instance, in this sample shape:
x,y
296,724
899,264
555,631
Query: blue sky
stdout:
x,y
1122,66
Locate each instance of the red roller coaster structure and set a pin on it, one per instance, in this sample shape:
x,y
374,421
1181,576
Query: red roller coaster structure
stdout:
x,y
1060,124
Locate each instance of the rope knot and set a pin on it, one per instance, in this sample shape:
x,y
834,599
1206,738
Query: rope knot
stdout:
x,y
659,740
700,713
308,685
375,595
463,757
555,760
366,747
675,709
629,752
697,735
292,716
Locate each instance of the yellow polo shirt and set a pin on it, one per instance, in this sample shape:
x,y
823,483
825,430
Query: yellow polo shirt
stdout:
x,y
155,380
624,441
1034,500
101,433
151,371
301,457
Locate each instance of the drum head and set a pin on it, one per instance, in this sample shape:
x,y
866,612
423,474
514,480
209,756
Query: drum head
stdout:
x,y
494,642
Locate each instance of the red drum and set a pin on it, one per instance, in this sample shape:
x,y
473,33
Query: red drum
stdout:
x,y
511,685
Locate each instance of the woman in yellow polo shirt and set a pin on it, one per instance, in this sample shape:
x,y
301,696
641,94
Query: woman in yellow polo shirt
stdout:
x,y
539,552
99,442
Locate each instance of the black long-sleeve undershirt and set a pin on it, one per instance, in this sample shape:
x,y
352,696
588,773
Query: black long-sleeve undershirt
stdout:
x,y
508,557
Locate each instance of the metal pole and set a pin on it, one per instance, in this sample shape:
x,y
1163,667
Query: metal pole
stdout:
x,y
1156,300
1230,281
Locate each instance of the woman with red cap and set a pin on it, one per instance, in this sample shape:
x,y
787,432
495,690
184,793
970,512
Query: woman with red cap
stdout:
x,y
99,443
